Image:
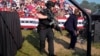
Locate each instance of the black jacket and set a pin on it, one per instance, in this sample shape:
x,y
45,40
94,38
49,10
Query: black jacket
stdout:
x,y
46,22
71,23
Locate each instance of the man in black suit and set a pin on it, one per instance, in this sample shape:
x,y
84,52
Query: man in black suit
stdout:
x,y
71,26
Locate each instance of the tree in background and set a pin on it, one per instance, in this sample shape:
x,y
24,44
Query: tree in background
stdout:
x,y
90,5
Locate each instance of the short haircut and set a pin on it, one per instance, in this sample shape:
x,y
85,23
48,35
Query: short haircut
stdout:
x,y
50,4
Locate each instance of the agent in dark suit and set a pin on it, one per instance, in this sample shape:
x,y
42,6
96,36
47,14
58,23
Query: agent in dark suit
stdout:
x,y
71,26
45,29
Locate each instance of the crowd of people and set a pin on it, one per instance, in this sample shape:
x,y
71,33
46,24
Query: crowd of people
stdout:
x,y
52,7
28,9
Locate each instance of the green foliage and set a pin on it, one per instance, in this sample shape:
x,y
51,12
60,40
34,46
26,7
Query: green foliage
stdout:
x,y
92,5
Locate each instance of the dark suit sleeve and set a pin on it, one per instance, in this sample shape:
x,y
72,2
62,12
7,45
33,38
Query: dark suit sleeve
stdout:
x,y
75,22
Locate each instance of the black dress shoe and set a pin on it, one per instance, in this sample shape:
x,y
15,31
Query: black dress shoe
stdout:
x,y
52,55
70,48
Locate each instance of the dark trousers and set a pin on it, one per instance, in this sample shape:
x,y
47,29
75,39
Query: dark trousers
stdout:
x,y
47,33
73,39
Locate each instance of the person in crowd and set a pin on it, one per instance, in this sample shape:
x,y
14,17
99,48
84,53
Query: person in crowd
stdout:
x,y
26,12
45,28
71,26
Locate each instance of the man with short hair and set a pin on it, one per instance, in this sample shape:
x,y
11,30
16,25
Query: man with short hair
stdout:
x,y
45,28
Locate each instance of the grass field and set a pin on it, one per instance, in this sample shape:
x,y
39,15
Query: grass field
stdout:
x,y
30,45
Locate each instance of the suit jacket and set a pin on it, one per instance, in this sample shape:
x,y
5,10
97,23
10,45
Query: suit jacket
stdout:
x,y
71,23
